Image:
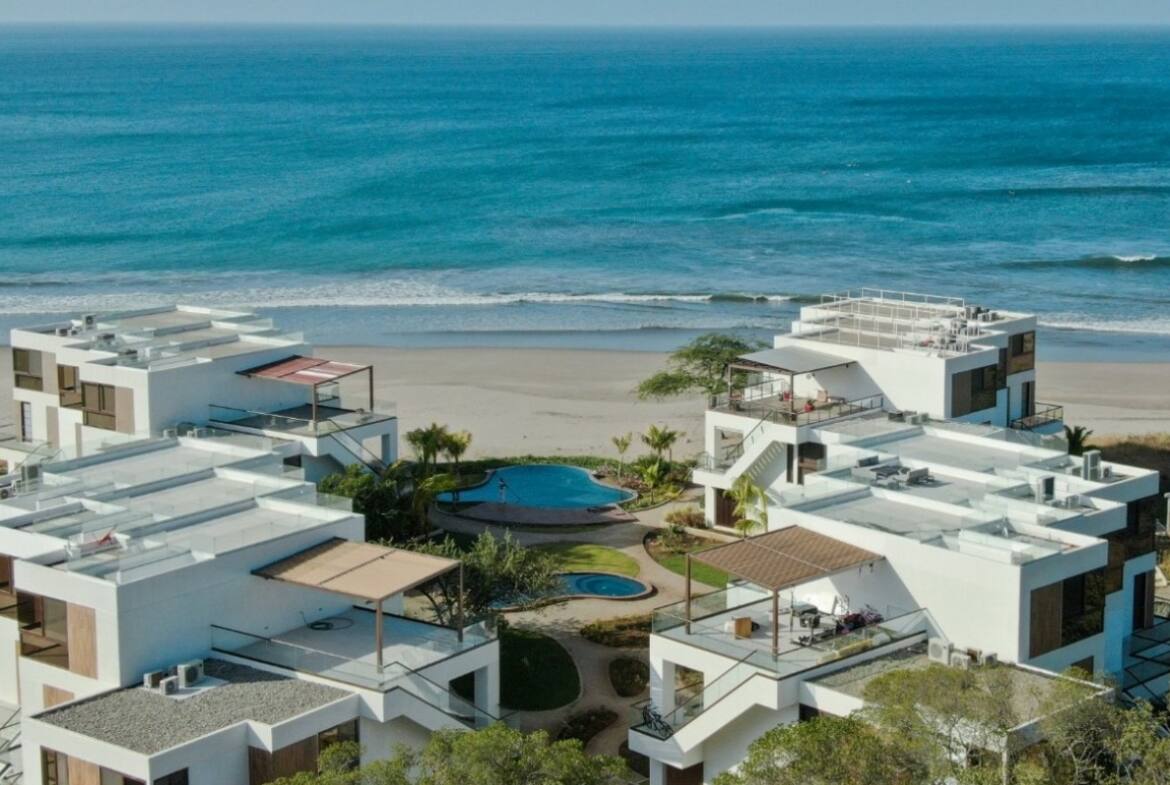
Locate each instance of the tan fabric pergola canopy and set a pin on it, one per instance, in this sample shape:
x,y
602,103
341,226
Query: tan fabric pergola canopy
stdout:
x,y
358,569
310,371
781,559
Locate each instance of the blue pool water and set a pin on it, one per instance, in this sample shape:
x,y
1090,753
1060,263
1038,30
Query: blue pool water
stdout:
x,y
543,486
601,584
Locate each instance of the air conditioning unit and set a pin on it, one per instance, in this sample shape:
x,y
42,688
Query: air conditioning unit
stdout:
x,y
960,659
190,673
939,650
1044,488
170,433
169,685
89,320
1106,472
152,679
988,658
1091,465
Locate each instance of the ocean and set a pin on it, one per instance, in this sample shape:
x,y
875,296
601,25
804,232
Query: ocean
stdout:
x,y
589,188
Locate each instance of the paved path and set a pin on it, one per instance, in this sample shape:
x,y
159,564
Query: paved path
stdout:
x,y
564,620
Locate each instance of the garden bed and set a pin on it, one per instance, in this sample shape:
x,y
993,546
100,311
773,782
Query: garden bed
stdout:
x,y
536,672
623,632
629,676
673,557
584,725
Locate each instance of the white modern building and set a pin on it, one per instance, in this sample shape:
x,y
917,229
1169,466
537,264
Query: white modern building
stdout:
x,y
187,609
912,517
101,379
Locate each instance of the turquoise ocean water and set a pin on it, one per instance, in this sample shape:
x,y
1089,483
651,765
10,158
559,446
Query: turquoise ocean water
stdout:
x,y
587,188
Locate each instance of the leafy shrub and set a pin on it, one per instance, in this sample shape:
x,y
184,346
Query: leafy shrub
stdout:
x,y
624,632
584,725
687,516
629,676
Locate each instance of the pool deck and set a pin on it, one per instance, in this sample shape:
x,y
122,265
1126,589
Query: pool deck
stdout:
x,y
494,512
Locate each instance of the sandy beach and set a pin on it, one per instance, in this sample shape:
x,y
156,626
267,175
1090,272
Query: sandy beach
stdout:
x,y
563,401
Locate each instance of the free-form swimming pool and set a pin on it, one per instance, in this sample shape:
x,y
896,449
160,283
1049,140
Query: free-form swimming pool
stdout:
x,y
600,584
542,485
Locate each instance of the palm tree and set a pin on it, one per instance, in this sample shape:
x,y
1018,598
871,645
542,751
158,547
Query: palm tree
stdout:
x,y
751,505
455,445
425,493
661,439
427,443
621,444
1078,439
653,474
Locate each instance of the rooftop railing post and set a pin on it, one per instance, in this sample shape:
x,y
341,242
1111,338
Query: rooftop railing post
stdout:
x,y
377,631
775,623
688,605
461,621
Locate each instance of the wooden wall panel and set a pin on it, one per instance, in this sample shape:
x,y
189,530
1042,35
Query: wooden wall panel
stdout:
x,y
124,410
83,772
81,624
54,696
1047,613
264,766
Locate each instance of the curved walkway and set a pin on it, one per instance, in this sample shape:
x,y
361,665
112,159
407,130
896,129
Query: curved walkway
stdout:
x,y
564,620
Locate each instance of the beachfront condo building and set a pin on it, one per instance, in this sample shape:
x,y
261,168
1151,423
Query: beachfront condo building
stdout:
x,y
102,379
178,603
918,511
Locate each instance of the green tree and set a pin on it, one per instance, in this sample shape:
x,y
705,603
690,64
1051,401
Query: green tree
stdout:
x,y
384,501
496,571
426,491
751,505
622,444
1078,439
455,445
697,367
497,755
942,717
660,439
427,443
826,750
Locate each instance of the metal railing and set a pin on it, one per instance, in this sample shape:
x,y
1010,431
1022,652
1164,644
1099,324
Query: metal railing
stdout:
x,y
783,665
1045,414
324,425
329,665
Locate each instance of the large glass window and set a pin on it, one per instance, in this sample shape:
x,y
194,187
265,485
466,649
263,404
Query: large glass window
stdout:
x,y
177,778
54,770
1022,352
109,777
44,630
26,367
346,731
1067,611
974,390
98,401
69,386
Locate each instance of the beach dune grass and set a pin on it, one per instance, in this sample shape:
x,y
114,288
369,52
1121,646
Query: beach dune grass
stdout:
x,y
585,557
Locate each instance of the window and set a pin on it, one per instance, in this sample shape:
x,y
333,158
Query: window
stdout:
x,y
346,731
1022,352
7,590
99,405
178,778
974,390
109,777
1067,611
26,367
44,631
69,386
54,770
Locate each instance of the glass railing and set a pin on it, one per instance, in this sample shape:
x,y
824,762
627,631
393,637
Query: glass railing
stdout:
x,y
325,424
1045,414
358,673
785,664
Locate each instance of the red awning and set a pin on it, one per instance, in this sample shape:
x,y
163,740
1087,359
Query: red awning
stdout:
x,y
309,371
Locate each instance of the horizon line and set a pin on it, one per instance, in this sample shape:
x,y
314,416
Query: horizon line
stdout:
x,y
744,26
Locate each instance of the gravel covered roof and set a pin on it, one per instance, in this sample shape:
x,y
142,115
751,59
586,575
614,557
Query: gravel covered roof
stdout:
x,y
147,722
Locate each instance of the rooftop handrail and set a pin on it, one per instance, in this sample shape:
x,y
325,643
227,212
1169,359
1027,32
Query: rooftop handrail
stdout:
x,y
1044,414
666,725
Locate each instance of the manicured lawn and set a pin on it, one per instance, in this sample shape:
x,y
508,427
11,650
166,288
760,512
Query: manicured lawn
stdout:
x,y
677,562
536,673
583,557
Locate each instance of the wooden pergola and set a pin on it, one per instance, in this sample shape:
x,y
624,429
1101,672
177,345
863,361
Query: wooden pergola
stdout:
x,y
364,571
312,372
779,560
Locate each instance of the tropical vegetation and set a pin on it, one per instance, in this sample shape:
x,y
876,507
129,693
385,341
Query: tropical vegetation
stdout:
x,y
700,366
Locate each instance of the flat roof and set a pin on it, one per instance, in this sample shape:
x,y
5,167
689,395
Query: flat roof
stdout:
x,y
794,359
147,722
896,516
784,558
358,569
